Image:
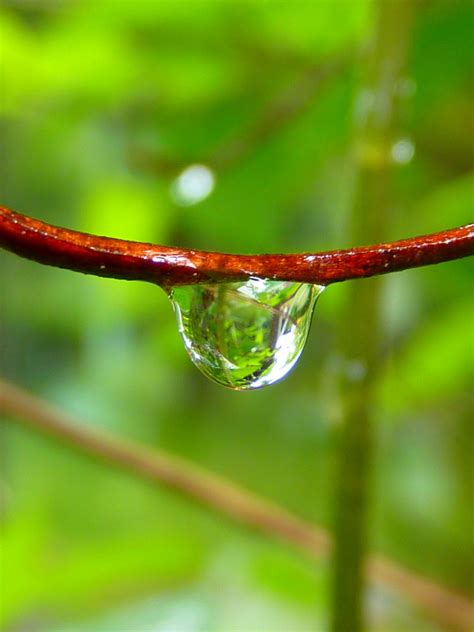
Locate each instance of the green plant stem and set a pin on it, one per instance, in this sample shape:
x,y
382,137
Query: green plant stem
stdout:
x,y
361,328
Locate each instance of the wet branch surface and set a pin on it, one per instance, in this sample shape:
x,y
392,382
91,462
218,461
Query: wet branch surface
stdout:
x,y
167,266
190,480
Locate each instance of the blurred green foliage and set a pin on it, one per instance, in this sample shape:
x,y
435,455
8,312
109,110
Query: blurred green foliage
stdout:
x,y
103,104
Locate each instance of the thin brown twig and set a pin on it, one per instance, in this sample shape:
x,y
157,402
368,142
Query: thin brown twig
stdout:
x,y
194,482
121,259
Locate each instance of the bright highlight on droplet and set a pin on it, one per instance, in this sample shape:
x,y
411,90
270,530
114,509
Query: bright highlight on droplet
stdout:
x,y
193,185
402,151
245,335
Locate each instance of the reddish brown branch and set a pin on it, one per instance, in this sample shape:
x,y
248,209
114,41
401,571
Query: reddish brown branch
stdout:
x,y
215,492
120,259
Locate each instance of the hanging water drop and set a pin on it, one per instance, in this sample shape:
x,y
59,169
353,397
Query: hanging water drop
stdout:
x,y
248,334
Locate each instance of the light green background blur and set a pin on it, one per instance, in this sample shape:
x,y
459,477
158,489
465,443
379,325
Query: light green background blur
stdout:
x,y
103,105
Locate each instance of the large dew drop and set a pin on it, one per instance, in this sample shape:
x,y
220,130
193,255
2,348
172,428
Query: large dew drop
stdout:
x,y
245,335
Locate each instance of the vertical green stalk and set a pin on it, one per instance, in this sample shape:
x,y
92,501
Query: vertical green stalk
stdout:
x,y
377,125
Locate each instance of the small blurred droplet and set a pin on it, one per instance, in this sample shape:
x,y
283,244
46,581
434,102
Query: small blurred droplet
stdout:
x,y
364,104
406,87
245,335
193,185
402,151
355,370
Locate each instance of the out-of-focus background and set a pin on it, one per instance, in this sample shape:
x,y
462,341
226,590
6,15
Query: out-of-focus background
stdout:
x,y
226,126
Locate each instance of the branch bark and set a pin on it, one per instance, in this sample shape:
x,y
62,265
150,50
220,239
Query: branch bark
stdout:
x,y
161,468
165,266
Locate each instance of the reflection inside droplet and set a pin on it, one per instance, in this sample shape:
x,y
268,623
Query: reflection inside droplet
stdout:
x,y
245,335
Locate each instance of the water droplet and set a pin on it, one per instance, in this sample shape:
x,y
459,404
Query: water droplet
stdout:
x,y
364,104
193,185
406,87
402,151
245,335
